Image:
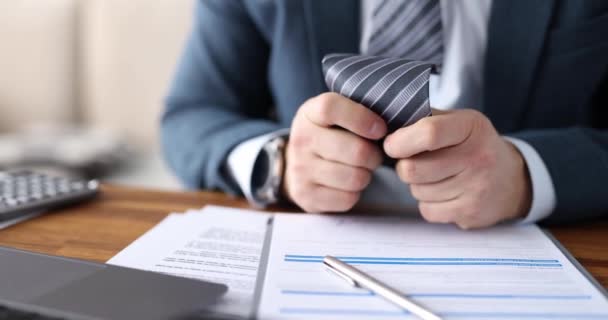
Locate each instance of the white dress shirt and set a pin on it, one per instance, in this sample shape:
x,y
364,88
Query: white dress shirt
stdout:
x,y
460,85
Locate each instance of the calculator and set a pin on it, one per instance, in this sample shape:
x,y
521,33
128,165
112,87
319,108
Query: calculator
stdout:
x,y
25,192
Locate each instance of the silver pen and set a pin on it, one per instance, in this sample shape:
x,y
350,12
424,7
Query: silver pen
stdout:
x,y
358,278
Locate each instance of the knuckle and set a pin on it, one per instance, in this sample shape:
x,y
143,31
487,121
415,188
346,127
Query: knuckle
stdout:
x,y
303,112
481,191
326,98
295,164
349,201
472,214
299,141
359,179
472,113
472,209
298,171
298,193
389,147
307,206
407,170
362,151
485,159
426,214
324,112
431,133
416,191
430,215
323,105
306,203
479,120
298,187
457,212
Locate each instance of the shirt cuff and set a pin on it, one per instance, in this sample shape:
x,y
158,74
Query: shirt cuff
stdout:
x,y
241,161
543,190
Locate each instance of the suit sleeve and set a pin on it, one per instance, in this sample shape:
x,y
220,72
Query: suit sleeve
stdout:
x,y
219,96
577,160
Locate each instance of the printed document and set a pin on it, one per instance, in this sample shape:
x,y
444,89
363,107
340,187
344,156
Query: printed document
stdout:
x,y
506,272
272,264
219,244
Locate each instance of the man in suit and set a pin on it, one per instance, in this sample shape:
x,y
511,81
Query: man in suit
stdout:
x,y
523,89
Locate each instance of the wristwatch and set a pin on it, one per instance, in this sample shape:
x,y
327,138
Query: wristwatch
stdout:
x,y
268,172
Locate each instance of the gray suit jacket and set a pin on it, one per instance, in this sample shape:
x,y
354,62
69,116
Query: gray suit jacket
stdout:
x,y
249,65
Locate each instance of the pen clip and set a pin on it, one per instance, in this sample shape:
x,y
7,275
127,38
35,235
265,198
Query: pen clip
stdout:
x,y
340,274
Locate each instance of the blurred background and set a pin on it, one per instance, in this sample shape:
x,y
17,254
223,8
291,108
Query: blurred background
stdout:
x,y
82,84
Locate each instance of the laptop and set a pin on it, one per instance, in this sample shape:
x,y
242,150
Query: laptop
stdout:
x,y
49,287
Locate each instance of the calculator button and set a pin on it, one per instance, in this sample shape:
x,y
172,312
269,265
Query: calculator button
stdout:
x,y
32,191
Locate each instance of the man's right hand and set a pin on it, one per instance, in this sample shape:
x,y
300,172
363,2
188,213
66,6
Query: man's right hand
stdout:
x,y
330,155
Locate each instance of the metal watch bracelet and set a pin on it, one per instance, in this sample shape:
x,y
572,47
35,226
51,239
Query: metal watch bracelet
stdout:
x,y
269,191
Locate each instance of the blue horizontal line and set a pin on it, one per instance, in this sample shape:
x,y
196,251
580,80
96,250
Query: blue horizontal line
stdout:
x,y
296,256
526,315
329,293
442,295
345,312
437,263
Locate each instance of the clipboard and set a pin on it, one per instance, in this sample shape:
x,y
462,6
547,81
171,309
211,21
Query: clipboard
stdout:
x,y
265,256
575,263
286,242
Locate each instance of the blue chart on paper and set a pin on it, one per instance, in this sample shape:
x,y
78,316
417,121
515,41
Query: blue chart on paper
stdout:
x,y
507,272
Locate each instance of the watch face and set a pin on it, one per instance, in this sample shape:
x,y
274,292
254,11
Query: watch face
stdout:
x,y
268,171
261,170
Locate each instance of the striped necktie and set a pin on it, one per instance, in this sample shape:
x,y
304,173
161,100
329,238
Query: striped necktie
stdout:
x,y
392,79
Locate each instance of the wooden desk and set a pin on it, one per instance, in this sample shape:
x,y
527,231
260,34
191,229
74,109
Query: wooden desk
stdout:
x,y
100,229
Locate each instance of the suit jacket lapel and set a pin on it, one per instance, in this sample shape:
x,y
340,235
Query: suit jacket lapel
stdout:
x,y
516,37
334,27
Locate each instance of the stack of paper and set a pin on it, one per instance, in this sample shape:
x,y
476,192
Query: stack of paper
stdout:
x,y
273,266
219,245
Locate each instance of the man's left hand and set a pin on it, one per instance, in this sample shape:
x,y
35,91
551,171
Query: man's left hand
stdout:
x,y
461,170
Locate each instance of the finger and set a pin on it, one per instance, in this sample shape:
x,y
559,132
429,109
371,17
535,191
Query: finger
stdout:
x,y
325,199
461,211
438,212
442,191
346,148
332,109
434,166
431,133
340,176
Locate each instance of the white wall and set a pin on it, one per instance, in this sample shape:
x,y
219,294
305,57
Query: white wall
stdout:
x,y
37,61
